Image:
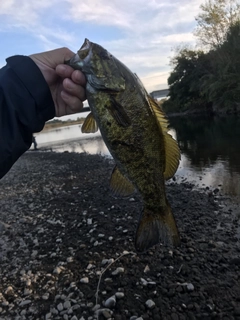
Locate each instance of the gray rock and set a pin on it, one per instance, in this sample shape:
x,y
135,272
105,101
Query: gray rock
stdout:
x,y
150,304
67,304
190,287
48,316
60,306
107,313
118,271
24,303
110,302
119,295
84,280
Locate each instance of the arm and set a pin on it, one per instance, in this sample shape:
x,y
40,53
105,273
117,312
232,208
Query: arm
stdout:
x,y
33,90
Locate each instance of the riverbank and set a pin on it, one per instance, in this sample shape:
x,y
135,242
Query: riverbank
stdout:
x,y
60,227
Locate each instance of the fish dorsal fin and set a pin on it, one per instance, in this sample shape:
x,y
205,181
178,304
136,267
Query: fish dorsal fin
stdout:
x,y
120,185
172,151
90,124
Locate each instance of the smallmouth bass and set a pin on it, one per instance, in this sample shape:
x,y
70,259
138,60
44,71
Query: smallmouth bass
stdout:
x,y
135,130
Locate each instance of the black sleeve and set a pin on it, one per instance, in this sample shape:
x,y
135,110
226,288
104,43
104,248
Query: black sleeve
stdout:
x,y
25,105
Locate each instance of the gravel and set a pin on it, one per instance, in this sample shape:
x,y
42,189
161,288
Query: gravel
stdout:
x,y
67,247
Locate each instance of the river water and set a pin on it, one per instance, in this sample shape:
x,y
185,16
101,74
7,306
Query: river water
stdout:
x,y
210,155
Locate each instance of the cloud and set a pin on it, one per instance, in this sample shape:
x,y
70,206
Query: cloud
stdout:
x,y
140,33
24,13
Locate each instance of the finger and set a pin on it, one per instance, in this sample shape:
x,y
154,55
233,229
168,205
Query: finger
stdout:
x,y
74,89
78,77
74,103
64,71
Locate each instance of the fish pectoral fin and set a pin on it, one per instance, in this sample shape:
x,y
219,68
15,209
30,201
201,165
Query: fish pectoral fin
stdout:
x,y
118,113
172,151
90,124
120,185
154,228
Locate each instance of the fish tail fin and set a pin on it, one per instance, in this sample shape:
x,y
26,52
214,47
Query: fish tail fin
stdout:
x,y
155,227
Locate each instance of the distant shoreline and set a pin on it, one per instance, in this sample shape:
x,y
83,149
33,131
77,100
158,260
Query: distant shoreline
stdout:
x,y
59,123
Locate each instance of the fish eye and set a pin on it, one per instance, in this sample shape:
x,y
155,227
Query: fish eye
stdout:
x,y
104,55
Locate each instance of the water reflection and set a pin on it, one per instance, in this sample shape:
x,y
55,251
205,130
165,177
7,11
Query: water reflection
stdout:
x,y
91,146
209,147
210,151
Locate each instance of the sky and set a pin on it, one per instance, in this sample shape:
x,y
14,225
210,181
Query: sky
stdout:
x,y
142,34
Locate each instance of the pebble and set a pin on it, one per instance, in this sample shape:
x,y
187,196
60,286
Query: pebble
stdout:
x,y
144,282
57,270
84,280
27,291
28,282
118,271
89,221
106,313
190,287
45,296
119,295
60,306
48,316
9,290
150,304
146,269
67,304
110,302
104,261
24,303
70,259
101,235
96,307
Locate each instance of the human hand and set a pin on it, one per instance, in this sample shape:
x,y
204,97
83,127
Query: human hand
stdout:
x,y
67,85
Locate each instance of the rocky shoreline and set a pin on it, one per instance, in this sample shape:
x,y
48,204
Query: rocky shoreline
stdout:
x,y
61,231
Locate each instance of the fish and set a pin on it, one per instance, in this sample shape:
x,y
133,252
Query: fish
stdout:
x,y
135,130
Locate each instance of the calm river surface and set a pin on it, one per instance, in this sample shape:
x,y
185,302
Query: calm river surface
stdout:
x,y
209,148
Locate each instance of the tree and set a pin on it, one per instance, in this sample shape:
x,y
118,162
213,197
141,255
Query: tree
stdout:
x,y
185,80
214,21
222,84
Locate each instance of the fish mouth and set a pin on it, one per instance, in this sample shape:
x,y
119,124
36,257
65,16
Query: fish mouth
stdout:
x,y
82,57
84,53
85,49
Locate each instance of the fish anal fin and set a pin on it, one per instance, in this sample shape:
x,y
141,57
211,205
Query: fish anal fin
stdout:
x,y
90,124
120,185
172,151
118,113
154,228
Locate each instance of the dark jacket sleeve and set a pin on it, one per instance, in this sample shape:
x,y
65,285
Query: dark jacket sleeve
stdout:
x,y
25,105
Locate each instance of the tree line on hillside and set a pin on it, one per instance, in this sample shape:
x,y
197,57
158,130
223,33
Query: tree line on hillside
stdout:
x,y
208,79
